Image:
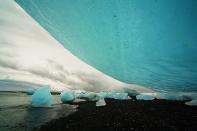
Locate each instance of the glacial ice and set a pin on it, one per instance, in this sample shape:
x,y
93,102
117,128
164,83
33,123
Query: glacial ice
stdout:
x,y
101,102
192,103
103,94
121,96
42,97
145,97
113,95
173,96
67,96
89,96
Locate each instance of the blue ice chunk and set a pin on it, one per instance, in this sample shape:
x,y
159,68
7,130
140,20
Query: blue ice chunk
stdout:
x,y
145,97
42,97
104,94
120,96
67,96
89,96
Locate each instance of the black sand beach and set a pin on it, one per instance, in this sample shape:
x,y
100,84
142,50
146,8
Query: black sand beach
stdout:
x,y
162,115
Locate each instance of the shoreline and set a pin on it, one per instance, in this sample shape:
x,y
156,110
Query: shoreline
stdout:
x,y
131,115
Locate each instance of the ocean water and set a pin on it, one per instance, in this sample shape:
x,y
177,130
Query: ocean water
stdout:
x,y
16,113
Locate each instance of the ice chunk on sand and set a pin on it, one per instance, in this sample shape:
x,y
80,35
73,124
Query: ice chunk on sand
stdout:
x,y
103,94
192,103
145,97
113,95
101,102
67,96
89,96
42,97
131,92
172,96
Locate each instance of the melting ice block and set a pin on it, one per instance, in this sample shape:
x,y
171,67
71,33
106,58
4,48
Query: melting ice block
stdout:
x,y
67,96
103,94
174,96
145,97
90,96
42,97
121,96
113,95
192,103
101,102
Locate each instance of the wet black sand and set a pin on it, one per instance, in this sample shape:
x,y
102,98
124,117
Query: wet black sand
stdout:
x,y
128,115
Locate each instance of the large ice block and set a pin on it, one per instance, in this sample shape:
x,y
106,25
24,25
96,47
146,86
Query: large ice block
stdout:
x,y
42,97
67,96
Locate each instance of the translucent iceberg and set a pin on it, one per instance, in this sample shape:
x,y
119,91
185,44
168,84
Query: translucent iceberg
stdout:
x,y
145,97
101,102
42,97
67,96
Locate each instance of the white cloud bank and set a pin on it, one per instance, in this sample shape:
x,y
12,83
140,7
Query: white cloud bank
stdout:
x,y
29,54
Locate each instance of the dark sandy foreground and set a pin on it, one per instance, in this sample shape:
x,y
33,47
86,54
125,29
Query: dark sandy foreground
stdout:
x,y
128,115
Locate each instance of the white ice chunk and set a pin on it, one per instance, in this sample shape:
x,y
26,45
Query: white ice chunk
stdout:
x,y
42,97
101,102
168,96
67,96
145,97
120,96
113,95
192,103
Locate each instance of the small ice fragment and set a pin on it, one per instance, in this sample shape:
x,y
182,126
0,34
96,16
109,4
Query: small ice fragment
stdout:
x,y
89,96
121,96
101,102
192,103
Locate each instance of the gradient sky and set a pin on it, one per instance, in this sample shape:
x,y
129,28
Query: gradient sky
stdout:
x,y
31,57
147,42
